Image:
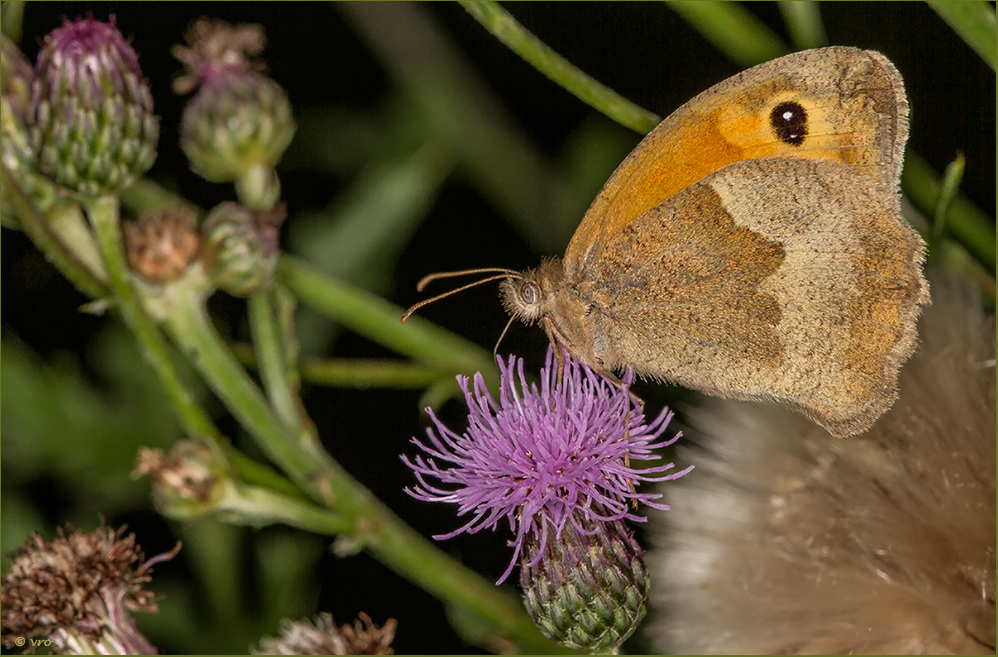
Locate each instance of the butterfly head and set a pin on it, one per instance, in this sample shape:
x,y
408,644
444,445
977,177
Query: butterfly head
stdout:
x,y
529,295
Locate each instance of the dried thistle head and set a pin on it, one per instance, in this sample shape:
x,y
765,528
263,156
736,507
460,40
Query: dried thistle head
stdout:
x,y
186,483
321,637
160,245
76,591
213,45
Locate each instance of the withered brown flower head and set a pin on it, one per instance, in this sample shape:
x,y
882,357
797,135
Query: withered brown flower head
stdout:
x,y
322,637
181,474
160,245
78,585
214,46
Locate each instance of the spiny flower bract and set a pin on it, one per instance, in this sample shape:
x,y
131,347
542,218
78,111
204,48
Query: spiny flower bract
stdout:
x,y
93,130
543,457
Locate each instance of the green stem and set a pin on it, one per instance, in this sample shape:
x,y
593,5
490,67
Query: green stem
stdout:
x,y
256,506
35,226
520,40
732,29
409,554
356,372
285,305
439,392
272,360
104,217
803,21
974,21
375,318
251,472
67,223
296,453
13,20
147,195
369,373
947,192
371,524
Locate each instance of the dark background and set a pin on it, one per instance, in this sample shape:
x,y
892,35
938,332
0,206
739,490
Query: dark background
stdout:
x,y
642,50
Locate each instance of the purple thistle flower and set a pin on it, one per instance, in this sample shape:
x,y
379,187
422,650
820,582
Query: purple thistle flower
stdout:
x,y
542,458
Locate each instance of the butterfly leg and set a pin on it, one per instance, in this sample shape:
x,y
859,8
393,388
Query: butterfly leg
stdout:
x,y
615,380
558,342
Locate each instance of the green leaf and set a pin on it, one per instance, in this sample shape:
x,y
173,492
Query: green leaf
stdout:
x,y
732,29
974,21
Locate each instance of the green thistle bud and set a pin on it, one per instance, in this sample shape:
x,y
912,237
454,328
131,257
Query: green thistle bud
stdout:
x,y
586,592
16,76
240,247
238,124
15,79
16,149
91,120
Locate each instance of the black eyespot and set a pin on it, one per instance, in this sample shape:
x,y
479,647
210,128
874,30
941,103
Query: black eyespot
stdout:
x,y
528,292
789,120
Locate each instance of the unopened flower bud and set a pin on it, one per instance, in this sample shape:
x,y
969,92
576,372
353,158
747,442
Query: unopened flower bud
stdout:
x,y
586,591
241,247
238,124
16,78
91,114
160,245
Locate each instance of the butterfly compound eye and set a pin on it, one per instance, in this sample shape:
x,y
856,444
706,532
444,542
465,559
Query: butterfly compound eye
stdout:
x,y
529,293
521,298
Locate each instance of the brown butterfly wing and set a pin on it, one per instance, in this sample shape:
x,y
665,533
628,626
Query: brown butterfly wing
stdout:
x,y
783,279
856,113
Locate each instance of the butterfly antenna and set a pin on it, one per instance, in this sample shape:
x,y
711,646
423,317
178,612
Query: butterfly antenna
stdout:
x,y
426,280
506,273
